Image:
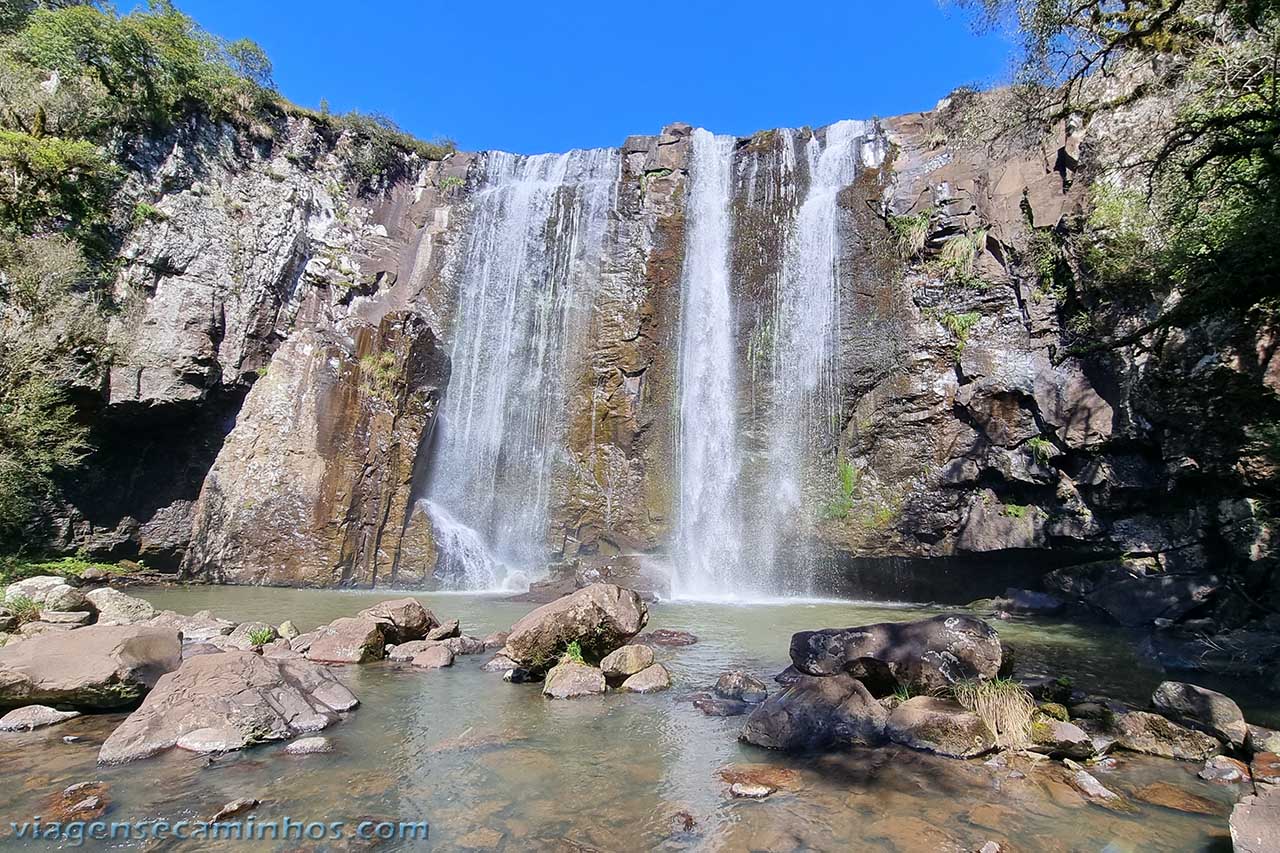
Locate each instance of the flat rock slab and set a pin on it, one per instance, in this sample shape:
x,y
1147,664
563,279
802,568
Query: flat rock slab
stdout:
x,y
347,640
229,701
34,717
1255,823
97,667
1140,731
1172,797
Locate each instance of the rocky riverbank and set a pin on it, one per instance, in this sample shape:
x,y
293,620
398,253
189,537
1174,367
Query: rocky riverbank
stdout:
x,y
938,686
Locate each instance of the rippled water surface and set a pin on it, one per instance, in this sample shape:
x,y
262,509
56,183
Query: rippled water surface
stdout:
x,y
495,766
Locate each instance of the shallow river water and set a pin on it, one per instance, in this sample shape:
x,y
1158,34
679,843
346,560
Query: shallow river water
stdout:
x,y
492,765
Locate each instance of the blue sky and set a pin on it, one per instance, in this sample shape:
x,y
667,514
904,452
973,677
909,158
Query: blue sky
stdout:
x,y
548,76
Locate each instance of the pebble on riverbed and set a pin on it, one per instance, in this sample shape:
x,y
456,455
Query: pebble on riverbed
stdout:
x,y
309,746
751,790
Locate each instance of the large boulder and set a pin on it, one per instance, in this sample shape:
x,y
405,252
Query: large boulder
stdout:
x,y
600,618
938,725
402,619
1139,731
34,589
569,680
348,640
114,606
1202,708
651,679
229,701
927,655
817,713
67,599
98,667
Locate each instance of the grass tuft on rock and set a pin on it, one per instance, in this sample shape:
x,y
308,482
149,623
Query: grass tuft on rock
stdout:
x,y
1003,704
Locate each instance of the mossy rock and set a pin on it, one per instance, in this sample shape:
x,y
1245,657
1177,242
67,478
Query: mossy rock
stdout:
x,y
1055,710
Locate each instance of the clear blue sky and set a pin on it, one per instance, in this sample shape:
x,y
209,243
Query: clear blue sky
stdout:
x,y
548,76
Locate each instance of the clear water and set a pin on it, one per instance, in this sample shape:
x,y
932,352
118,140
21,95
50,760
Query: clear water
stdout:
x,y
495,766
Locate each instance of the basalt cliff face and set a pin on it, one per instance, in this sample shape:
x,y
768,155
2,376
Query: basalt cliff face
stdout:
x,y
295,359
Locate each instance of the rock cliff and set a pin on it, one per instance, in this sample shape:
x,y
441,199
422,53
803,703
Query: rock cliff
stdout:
x,y
284,346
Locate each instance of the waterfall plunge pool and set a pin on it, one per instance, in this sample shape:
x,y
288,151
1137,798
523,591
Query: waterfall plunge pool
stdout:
x,y
493,765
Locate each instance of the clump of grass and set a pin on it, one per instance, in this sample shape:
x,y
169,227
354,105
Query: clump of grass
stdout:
x,y
261,636
1014,511
960,325
1003,704
910,233
24,610
848,478
1042,449
382,375
957,260
572,653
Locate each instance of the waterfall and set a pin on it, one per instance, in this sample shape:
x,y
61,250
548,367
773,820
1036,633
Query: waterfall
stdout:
x,y
804,399
526,280
708,534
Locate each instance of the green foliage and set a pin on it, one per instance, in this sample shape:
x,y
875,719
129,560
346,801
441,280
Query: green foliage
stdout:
x,y
147,212
960,325
382,375
1003,704
910,233
847,480
1042,449
261,636
49,182
13,569
1014,511
450,184
956,262
24,610
573,653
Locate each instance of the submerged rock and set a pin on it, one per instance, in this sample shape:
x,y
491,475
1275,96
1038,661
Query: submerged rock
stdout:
x,y
667,637
1085,782
236,807
926,655
347,640
309,746
714,707
751,790
1140,731
499,663
98,667
34,717
1203,708
741,685
401,619
569,680
1172,797
242,697
626,661
942,726
651,679
817,713
600,618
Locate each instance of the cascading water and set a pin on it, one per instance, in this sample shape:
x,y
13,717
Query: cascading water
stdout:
x,y
804,400
529,272
708,534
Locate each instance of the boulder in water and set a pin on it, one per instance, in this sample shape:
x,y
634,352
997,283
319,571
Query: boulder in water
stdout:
x,y
445,631
942,726
435,656
741,685
569,680
600,618
817,713
34,717
1060,739
229,701
401,619
346,640
626,661
667,637
1202,708
114,606
648,680
927,655
97,667
1139,731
